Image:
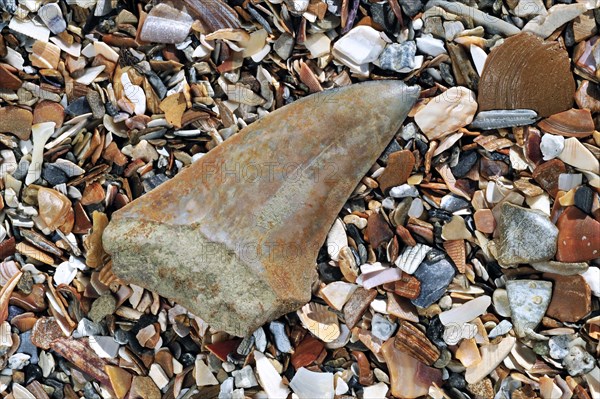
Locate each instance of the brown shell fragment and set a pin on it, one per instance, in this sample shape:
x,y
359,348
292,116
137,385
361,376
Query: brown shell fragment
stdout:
x,y
408,286
457,252
571,123
412,341
378,230
357,305
213,14
400,165
511,78
546,175
78,352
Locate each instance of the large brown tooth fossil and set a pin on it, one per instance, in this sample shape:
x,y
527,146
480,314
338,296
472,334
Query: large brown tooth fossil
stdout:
x,y
527,73
235,236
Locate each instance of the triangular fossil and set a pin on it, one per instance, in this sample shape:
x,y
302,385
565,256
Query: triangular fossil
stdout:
x,y
235,236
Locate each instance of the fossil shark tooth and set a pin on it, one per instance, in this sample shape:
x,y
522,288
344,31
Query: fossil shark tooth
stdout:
x,y
234,238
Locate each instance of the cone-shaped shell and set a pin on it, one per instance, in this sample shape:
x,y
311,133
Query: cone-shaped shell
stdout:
x,y
234,237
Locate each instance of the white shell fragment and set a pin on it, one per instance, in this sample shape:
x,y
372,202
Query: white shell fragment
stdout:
x,y
52,16
336,239
269,378
411,257
551,146
30,28
310,385
358,47
165,24
202,374
40,133
467,311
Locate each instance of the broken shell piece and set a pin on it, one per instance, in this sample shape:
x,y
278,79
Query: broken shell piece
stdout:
x,y
571,123
336,294
165,24
411,258
578,156
309,385
202,374
41,133
319,321
52,16
491,356
551,146
415,343
522,57
269,378
336,239
357,48
466,312
446,113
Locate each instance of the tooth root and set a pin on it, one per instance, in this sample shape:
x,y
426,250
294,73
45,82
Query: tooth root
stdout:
x,y
235,236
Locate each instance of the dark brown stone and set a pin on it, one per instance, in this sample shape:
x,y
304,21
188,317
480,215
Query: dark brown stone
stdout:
x,y
357,305
399,167
378,230
571,298
511,78
9,80
546,175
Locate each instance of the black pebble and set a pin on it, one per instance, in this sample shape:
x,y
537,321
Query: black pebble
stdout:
x,y
465,163
329,274
54,175
32,372
584,199
79,106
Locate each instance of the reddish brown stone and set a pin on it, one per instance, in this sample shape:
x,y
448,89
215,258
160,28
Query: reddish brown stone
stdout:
x,y
357,305
82,223
546,175
45,331
9,80
571,298
484,221
578,236
533,141
408,286
33,302
378,230
7,248
399,167
307,352
49,111
223,348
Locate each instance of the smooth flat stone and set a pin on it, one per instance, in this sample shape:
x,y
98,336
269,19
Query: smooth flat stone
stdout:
x,y
497,119
435,276
558,15
524,236
528,301
562,268
185,234
571,298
